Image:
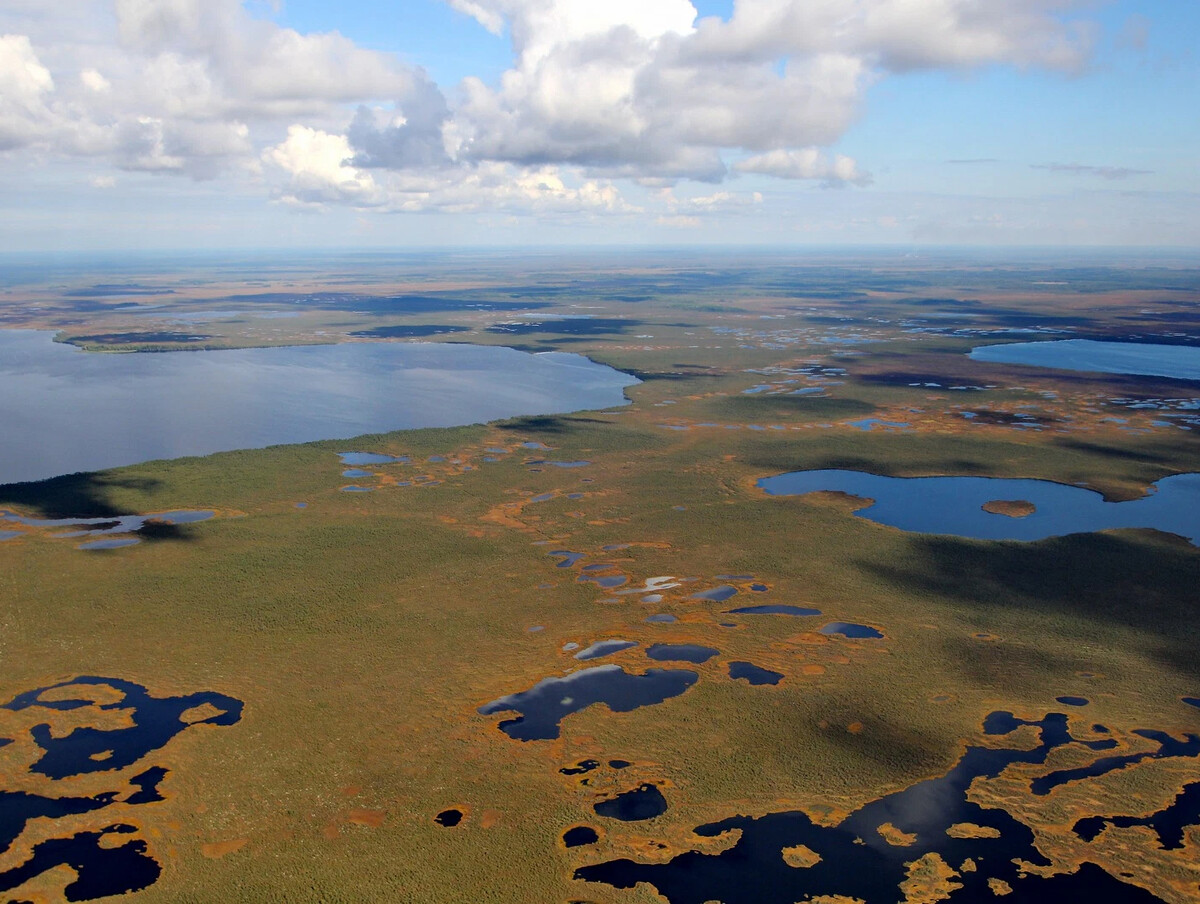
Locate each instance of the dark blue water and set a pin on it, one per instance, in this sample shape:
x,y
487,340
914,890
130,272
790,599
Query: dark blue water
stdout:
x,y
81,411
543,707
774,610
1179,362
748,671
857,862
1168,824
103,865
156,720
102,868
858,632
641,803
580,836
681,652
954,505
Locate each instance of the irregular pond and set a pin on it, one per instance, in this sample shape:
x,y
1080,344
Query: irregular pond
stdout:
x,y
641,803
853,859
1169,824
543,707
102,867
449,818
716,594
83,411
681,652
602,648
113,524
156,720
798,611
104,863
857,632
1179,362
756,675
954,505
371,458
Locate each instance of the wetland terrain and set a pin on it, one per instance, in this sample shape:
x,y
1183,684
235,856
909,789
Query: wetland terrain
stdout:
x,y
601,579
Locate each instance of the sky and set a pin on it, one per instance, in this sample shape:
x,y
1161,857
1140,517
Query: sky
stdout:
x,y
221,124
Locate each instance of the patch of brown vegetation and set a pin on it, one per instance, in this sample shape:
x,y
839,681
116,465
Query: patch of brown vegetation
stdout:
x,y
372,819
1012,508
895,837
930,879
801,857
489,819
970,830
218,849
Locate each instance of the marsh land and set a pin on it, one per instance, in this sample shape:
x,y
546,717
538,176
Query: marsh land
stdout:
x,y
773,581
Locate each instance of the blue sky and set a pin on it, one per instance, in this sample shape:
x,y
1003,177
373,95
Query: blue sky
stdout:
x,y
211,123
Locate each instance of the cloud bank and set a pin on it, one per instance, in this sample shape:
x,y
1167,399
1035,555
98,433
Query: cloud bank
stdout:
x,y
596,93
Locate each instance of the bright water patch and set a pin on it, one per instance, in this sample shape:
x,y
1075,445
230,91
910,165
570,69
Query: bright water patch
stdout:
x,y
1179,362
543,707
370,458
602,648
953,505
716,594
84,412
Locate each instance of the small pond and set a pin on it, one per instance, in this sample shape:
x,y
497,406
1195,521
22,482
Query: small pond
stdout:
x,y
641,803
776,609
756,675
681,652
543,707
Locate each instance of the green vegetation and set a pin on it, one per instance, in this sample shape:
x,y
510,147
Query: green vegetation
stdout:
x,y
364,630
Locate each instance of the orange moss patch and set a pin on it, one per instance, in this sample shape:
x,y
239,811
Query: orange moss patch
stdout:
x,y
218,849
813,670
855,728
199,714
1012,508
895,837
970,830
929,880
372,819
489,819
800,857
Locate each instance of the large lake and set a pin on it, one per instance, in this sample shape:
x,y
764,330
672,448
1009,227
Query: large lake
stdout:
x,y
65,410
1180,362
954,505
